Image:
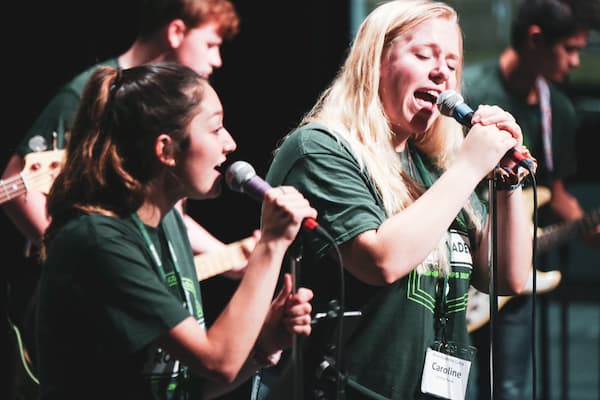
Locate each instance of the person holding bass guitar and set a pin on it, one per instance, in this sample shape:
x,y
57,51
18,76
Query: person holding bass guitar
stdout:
x,y
547,37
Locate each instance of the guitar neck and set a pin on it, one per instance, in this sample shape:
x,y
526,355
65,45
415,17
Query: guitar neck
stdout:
x,y
41,168
12,187
216,262
555,235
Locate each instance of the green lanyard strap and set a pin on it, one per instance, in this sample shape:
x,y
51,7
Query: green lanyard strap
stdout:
x,y
157,260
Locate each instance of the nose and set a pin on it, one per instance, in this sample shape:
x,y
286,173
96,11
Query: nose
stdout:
x,y
229,144
440,73
215,59
574,60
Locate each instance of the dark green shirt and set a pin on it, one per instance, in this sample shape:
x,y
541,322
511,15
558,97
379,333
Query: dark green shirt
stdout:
x,y
59,114
104,303
385,347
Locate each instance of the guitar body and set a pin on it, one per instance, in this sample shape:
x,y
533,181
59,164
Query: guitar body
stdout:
x,y
22,295
24,384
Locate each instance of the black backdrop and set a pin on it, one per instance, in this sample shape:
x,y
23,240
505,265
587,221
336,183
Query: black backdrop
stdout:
x,y
285,54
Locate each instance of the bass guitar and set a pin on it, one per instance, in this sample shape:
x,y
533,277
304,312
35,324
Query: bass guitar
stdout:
x,y
41,168
233,255
38,174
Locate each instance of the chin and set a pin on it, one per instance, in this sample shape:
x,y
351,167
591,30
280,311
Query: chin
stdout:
x,y
211,193
214,192
421,123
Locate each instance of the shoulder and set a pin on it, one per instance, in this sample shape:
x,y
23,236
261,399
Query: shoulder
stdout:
x,y
91,237
482,83
77,84
69,95
92,230
312,146
310,140
98,226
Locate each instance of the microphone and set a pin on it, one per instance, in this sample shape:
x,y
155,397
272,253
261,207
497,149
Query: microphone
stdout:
x,y
241,177
452,104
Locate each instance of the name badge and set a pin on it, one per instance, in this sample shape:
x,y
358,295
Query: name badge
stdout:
x,y
460,249
445,375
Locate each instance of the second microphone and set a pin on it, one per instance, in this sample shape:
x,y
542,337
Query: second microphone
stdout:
x,y
241,177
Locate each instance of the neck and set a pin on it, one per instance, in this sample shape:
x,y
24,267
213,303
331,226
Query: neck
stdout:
x,y
156,205
150,214
399,139
519,78
142,51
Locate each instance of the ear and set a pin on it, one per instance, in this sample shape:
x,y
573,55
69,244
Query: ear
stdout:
x,y
535,36
163,148
176,31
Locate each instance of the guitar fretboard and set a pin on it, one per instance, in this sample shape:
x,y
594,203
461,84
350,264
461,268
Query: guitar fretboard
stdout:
x,y
558,234
41,168
22,183
11,188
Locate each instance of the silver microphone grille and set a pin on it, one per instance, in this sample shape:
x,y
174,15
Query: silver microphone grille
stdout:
x,y
238,174
447,101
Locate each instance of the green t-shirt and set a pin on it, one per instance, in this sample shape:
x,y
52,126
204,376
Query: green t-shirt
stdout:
x,y
483,84
385,347
104,303
59,114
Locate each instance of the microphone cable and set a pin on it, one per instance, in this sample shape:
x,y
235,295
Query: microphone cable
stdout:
x,y
533,286
241,177
493,295
339,380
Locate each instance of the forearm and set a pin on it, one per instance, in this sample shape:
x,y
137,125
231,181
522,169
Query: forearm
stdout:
x,y
247,308
28,211
28,214
514,243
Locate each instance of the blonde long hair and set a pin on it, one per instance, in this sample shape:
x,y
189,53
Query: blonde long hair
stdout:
x,y
352,109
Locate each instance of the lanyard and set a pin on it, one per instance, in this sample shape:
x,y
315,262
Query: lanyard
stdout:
x,y
441,311
546,114
184,294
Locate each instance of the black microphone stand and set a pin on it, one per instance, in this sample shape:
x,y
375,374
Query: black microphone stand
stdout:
x,y
297,361
492,261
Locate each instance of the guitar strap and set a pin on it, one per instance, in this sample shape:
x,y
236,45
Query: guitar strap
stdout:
x,y
546,118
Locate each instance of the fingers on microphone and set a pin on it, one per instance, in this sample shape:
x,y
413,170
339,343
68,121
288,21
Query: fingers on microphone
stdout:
x,y
290,203
491,115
